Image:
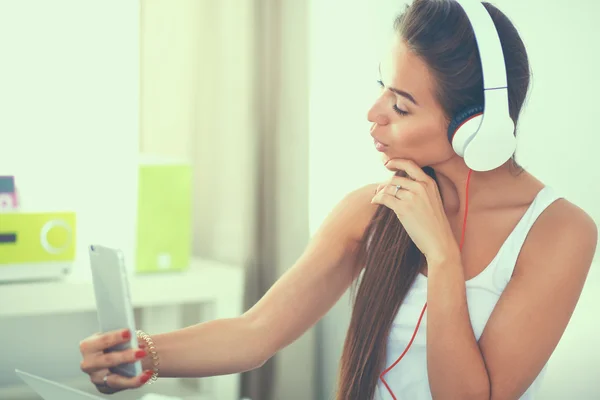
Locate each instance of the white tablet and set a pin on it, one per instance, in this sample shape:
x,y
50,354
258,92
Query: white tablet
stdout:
x,y
50,390
113,302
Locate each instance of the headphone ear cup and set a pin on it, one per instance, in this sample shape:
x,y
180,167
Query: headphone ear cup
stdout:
x,y
463,127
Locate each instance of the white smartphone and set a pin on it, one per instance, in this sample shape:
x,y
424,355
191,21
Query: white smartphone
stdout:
x,y
113,302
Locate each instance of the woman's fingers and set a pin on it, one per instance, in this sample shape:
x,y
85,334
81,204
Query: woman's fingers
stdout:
x,y
98,361
102,341
115,382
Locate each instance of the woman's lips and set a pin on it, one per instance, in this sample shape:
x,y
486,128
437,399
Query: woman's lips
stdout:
x,y
379,146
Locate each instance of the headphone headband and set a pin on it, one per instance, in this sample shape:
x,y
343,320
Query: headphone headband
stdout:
x,y
488,43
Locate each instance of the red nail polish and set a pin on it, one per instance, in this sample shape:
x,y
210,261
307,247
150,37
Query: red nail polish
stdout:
x,y
146,376
126,334
140,354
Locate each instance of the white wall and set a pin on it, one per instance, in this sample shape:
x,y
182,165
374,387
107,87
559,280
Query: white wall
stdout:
x,y
344,47
69,73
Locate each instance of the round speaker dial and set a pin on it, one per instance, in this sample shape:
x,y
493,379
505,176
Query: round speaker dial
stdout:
x,y
56,236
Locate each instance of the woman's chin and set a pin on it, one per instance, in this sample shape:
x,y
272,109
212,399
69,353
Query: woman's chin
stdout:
x,y
385,157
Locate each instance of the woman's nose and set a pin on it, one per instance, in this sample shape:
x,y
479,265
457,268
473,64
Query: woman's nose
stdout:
x,y
377,113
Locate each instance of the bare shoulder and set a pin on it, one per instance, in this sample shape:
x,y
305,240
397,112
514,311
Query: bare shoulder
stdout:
x,y
565,222
357,210
343,228
562,231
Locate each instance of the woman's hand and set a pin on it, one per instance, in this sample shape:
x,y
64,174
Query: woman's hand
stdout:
x,y
418,206
96,362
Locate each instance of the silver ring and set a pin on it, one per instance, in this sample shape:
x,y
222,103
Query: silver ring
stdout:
x,y
105,381
398,187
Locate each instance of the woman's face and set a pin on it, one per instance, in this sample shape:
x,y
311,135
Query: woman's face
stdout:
x,y
408,122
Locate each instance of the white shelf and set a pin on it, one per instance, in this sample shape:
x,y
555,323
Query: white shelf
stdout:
x,y
205,280
166,387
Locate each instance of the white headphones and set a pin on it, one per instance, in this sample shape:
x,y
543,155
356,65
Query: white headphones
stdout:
x,y
484,135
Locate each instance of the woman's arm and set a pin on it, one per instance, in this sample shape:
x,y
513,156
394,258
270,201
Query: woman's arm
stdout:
x,y
299,298
218,347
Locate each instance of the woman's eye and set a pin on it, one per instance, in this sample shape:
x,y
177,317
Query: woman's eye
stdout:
x,y
399,111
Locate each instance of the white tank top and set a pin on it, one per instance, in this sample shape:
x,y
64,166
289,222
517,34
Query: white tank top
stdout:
x,y
409,379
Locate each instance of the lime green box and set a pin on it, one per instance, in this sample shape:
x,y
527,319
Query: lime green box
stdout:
x,y
29,238
164,217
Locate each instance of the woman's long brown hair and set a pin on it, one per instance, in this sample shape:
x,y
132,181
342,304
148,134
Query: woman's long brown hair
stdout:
x,y
439,33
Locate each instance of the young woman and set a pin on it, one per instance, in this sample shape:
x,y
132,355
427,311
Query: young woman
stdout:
x,y
499,290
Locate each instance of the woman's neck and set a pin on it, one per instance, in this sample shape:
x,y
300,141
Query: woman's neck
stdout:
x,y
485,188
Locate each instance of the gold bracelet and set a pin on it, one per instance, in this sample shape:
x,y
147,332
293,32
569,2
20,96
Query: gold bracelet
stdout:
x,y
153,354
